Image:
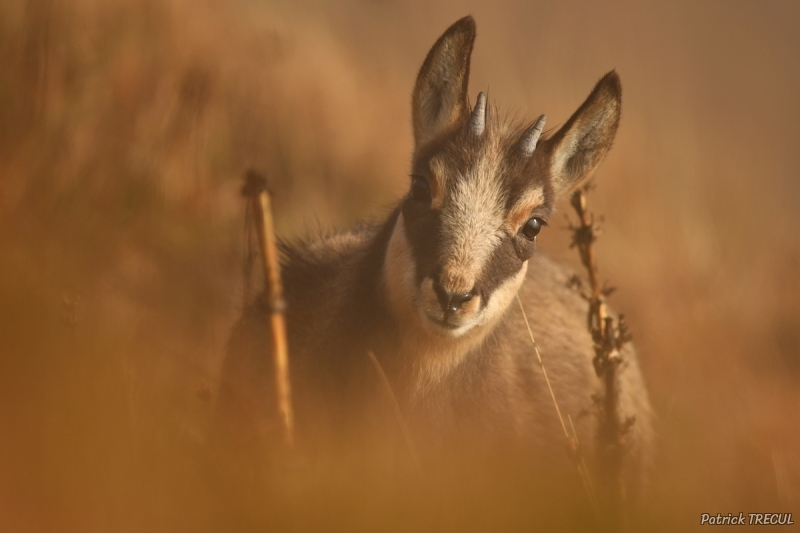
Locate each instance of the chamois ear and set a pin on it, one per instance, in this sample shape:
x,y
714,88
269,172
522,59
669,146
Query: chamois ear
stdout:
x,y
579,146
440,93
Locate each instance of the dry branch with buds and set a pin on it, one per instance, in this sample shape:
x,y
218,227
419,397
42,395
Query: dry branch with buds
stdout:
x,y
609,337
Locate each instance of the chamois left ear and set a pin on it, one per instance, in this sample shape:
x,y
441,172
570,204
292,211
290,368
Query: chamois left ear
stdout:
x,y
578,147
440,94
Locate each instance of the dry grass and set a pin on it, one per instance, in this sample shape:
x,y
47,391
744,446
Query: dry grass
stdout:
x,y
125,126
571,442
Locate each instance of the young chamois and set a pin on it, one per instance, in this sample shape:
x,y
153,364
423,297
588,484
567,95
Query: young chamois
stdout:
x,y
431,292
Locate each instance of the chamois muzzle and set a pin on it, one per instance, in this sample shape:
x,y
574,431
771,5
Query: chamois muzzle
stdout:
x,y
450,302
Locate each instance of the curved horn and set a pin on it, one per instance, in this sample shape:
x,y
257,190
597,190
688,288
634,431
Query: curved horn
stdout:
x,y
531,137
477,122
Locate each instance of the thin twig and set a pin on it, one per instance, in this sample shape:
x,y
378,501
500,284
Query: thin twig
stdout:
x,y
255,189
397,412
584,471
572,440
544,371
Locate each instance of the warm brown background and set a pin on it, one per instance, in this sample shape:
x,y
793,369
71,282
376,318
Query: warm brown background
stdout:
x,y
125,126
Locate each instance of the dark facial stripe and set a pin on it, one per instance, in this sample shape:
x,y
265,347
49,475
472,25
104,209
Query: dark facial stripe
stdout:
x,y
504,263
423,231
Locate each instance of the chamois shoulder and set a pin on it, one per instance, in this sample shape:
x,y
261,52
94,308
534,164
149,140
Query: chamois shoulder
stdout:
x,y
557,316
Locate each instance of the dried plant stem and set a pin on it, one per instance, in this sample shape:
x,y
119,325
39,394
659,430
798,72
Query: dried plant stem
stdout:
x,y
571,439
608,339
397,412
255,189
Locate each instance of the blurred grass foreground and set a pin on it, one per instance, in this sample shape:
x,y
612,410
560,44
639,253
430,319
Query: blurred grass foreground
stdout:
x,y
125,126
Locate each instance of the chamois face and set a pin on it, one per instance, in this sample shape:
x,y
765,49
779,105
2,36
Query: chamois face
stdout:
x,y
481,189
469,226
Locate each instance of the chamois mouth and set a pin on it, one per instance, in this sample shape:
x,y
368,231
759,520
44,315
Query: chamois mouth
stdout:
x,y
446,325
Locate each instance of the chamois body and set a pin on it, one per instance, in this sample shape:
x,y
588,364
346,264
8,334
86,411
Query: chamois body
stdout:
x,y
432,293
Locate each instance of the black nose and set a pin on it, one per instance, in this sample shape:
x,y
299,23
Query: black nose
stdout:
x,y
451,302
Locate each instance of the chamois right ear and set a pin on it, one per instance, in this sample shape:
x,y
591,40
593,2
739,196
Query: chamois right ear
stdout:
x,y
440,93
578,147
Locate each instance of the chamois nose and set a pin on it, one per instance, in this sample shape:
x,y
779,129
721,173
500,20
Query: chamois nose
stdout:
x,y
451,302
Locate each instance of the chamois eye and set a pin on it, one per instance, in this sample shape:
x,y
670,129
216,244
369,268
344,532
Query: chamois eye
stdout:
x,y
420,190
532,228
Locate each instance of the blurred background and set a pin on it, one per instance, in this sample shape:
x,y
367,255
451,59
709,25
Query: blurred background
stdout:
x,y
125,128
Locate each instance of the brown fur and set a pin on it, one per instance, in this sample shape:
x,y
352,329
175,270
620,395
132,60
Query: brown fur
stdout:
x,y
476,381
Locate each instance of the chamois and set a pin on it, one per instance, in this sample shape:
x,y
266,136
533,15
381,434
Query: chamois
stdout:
x,y
431,292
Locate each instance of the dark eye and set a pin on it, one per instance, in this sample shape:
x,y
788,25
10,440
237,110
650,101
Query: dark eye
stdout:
x,y
420,190
532,228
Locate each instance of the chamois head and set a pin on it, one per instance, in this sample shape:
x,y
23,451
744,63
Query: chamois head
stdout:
x,y
482,188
